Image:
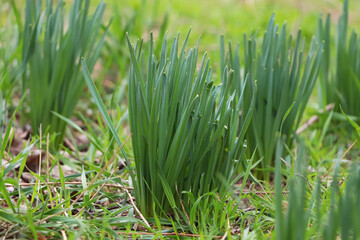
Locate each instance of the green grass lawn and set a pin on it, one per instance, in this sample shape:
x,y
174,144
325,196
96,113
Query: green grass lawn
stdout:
x,y
167,146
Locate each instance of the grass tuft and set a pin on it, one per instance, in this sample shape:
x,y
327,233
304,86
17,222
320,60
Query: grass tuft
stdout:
x,y
340,85
285,77
52,48
183,140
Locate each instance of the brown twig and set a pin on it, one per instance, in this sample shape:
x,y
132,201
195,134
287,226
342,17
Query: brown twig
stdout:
x,y
48,167
342,157
38,180
248,209
136,209
262,192
349,148
314,119
182,205
286,163
63,234
226,232
170,234
7,231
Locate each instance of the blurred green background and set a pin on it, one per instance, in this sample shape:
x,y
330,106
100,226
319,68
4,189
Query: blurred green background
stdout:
x,y
212,18
231,18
